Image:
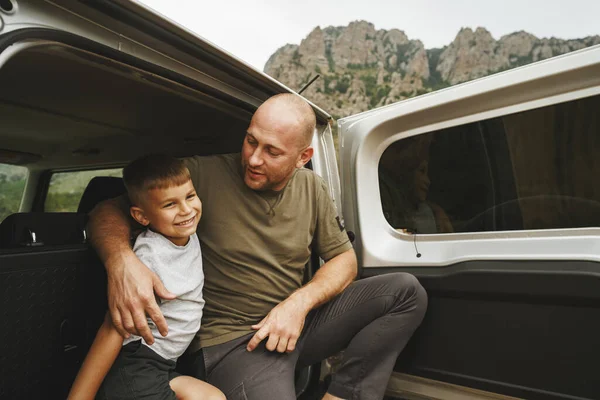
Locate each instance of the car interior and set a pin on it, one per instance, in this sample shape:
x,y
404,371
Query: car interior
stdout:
x,y
66,108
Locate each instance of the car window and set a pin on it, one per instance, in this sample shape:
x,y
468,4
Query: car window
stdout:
x,y
66,188
12,186
536,169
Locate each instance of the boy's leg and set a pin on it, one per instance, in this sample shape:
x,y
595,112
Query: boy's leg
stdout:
x,y
189,388
372,319
100,358
257,375
138,372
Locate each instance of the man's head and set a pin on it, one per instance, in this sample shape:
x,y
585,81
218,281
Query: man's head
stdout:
x,y
277,142
163,196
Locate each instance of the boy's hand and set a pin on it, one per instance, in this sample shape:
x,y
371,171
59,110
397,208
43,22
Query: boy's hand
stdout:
x,y
131,287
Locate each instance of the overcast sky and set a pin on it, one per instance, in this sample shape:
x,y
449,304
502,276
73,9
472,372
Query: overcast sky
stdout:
x,y
253,29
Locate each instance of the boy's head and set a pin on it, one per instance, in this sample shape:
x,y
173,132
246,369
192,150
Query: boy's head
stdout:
x,y
163,197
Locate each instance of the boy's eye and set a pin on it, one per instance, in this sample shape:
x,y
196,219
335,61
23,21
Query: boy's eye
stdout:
x,y
191,196
168,205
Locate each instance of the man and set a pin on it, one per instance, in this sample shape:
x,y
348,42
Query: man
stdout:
x,y
263,213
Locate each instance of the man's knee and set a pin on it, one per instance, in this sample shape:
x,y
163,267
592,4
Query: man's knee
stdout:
x,y
412,293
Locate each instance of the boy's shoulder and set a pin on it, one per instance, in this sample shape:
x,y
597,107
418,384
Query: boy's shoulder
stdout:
x,y
154,242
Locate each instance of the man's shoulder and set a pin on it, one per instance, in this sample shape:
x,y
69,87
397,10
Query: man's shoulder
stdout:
x,y
308,178
305,175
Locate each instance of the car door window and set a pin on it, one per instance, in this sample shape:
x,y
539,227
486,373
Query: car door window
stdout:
x,y
536,169
12,186
66,188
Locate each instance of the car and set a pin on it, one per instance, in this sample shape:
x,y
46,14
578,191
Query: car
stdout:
x,y
502,226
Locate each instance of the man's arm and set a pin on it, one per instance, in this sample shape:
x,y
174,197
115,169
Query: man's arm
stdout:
x,y
97,363
131,285
284,323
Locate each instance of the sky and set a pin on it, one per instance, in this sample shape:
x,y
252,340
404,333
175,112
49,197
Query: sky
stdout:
x,y
252,30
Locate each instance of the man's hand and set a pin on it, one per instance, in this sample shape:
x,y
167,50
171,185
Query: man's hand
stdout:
x,y
282,325
131,288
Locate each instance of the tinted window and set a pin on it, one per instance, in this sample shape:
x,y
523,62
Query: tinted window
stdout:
x,y
537,169
66,188
12,186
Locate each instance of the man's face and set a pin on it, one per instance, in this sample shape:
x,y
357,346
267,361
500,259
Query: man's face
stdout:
x,y
174,212
271,152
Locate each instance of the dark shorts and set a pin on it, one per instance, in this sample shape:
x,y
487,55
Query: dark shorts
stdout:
x,y
138,373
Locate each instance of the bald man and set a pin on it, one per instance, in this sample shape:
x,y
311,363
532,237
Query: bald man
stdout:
x,y
263,215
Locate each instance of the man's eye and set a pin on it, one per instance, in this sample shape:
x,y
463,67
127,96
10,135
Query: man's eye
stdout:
x,y
274,153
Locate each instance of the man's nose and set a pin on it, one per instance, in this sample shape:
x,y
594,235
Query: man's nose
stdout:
x,y
256,158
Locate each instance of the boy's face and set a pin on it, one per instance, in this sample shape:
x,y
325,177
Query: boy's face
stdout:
x,y
174,212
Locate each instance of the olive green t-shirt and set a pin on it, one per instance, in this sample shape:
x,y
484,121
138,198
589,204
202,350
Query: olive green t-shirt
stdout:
x,y
255,245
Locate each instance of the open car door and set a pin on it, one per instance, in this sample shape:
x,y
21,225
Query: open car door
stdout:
x,y
489,193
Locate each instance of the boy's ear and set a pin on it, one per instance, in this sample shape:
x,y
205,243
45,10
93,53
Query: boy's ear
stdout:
x,y
139,215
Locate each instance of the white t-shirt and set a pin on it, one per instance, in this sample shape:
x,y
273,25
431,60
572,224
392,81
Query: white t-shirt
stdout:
x,y
180,270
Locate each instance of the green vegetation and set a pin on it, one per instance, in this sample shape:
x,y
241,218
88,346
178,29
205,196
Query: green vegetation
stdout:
x,y
342,84
11,191
382,92
370,82
521,60
62,202
402,53
296,57
317,69
361,66
330,58
435,80
327,79
354,66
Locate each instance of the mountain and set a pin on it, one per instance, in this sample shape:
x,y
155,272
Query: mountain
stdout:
x,y
362,67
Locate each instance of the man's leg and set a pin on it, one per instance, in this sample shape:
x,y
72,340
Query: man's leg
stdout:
x,y
373,319
257,375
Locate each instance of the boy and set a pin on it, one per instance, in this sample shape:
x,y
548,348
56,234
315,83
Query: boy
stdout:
x,y
164,200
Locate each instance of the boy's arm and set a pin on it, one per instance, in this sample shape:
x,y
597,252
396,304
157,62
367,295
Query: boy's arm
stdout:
x,y
100,358
131,285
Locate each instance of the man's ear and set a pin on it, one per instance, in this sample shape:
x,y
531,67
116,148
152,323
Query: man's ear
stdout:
x,y
139,215
305,157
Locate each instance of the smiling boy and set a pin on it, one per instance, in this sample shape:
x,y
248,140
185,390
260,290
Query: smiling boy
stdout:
x,y
163,200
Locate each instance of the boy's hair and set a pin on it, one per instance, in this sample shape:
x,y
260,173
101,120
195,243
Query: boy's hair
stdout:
x,y
154,171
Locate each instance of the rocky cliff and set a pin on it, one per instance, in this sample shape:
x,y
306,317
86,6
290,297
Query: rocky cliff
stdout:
x,y
362,67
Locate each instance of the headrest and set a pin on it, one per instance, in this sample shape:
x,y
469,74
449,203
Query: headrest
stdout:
x,y
99,189
42,228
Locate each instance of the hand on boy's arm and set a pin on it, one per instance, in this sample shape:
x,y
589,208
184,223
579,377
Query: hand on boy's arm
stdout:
x,y
131,288
131,285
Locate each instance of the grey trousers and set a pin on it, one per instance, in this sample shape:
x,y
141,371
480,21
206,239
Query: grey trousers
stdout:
x,y
372,319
